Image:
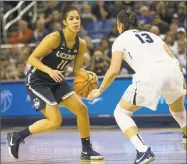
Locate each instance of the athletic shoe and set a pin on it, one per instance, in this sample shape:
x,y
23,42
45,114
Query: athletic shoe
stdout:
x,y
144,157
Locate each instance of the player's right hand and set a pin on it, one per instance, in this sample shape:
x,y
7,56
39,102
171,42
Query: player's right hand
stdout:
x,y
94,93
56,75
93,74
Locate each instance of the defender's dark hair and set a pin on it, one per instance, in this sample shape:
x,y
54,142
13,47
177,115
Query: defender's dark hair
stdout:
x,y
130,21
66,8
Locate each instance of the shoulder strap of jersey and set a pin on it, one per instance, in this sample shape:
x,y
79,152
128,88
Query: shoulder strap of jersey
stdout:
x,y
77,42
62,42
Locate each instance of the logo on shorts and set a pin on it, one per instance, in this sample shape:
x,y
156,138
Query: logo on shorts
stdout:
x,y
6,100
36,103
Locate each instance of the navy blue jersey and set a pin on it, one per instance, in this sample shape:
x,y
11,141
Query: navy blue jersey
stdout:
x,y
59,58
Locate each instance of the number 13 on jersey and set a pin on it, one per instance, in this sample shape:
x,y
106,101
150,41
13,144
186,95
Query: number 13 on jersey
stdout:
x,y
144,38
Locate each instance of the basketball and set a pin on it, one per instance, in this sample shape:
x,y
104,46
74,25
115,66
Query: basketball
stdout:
x,y
84,83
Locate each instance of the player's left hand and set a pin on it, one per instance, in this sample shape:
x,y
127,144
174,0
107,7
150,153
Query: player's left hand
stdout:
x,y
94,93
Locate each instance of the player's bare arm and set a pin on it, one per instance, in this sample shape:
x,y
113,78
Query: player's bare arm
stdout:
x,y
110,75
113,71
50,42
78,63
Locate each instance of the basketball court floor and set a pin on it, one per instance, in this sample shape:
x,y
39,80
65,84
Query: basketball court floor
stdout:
x,y
64,147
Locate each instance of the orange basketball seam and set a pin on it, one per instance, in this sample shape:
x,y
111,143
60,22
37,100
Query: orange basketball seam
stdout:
x,y
82,88
82,77
90,80
86,85
91,84
80,82
88,90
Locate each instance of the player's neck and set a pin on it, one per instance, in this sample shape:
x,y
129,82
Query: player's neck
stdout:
x,y
69,35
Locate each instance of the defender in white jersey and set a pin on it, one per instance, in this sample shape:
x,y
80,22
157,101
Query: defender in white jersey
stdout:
x,y
157,73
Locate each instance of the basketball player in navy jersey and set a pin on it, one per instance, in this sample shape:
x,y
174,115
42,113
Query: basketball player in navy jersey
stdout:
x,y
47,87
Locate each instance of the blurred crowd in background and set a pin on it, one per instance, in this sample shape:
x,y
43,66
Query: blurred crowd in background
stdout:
x,y
98,29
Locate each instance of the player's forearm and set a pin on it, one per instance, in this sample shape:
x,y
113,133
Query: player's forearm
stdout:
x,y
35,62
108,79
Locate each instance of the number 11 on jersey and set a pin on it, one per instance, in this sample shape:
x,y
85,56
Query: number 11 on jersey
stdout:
x,y
62,64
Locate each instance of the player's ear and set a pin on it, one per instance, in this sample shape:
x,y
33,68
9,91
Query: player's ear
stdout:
x,y
122,26
64,22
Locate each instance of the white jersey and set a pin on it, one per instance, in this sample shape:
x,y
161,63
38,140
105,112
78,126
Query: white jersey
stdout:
x,y
141,49
156,72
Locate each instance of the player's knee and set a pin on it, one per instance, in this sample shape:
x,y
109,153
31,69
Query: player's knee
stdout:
x,y
123,118
55,123
119,111
82,109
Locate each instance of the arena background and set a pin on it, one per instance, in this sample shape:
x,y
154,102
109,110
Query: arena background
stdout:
x,y
32,20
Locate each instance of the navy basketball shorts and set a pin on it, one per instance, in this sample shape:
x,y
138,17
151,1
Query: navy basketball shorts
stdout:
x,y
44,92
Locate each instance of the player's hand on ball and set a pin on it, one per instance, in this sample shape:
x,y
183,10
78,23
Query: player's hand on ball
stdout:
x,y
56,75
93,74
94,93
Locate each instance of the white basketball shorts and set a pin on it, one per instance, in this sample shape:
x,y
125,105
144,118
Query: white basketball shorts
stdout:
x,y
147,87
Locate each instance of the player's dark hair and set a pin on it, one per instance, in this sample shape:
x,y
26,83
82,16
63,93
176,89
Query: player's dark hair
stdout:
x,y
130,20
66,8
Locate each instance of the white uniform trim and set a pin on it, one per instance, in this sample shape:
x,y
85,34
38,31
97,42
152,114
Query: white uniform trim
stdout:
x,y
33,70
29,77
68,95
42,97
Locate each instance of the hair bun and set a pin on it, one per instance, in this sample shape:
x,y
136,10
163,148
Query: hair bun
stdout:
x,y
133,19
65,5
